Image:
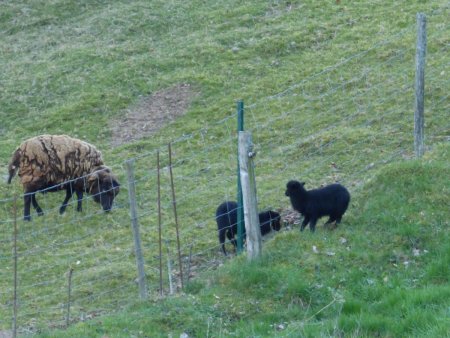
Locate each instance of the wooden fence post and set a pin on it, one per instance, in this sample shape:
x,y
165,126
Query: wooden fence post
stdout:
x,y
420,85
169,268
15,268
158,165
174,204
135,226
69,296
247,175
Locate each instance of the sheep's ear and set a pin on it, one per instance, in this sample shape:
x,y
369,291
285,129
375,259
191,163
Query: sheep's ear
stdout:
x,y
93,177
302,183
92,180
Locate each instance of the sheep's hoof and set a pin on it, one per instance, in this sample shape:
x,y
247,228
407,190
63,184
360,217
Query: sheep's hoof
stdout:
x,y
27,218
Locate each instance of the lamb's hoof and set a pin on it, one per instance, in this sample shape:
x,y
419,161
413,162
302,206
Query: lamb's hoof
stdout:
x,y
27,218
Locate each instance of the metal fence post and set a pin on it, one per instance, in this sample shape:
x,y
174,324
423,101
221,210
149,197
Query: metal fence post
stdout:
x,y
135,226
240,210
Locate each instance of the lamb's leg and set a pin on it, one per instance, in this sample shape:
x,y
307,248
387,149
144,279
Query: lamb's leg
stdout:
x,y
304,223
330,220
230,235
69,194
36,205
338,220
312,224
222,240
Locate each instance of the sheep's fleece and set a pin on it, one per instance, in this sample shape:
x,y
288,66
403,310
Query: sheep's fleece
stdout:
x,y
53,159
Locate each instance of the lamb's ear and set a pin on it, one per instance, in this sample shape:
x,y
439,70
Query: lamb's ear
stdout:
x,y
302,183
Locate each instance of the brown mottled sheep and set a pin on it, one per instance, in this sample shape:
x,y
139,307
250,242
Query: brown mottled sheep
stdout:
x,y
54,162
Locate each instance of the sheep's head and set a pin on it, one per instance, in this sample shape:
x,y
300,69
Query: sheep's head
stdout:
x,y
104,187
294,187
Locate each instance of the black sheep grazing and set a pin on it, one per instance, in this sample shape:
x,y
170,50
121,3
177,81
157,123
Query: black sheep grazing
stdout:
x,y
331,201
226,217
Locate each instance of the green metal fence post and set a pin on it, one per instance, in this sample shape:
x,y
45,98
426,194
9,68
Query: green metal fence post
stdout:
x,y
240,203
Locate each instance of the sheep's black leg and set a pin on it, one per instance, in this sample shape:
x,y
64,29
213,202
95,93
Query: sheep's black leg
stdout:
x,y
313,223
304,223
79,200
69,194
230,235
26,207
36,205
330,220
222,240
338,220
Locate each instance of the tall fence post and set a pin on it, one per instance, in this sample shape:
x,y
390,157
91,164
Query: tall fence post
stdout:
x,y
420,85
247,174
240,210
135,226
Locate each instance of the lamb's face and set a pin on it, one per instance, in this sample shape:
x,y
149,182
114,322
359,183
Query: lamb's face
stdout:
x,y
104,187
293,187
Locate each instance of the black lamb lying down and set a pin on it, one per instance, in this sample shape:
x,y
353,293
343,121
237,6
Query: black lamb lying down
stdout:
x,y
331,201
226,217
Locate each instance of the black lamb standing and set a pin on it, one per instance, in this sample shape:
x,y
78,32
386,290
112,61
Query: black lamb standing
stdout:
x,y
226,217
331,201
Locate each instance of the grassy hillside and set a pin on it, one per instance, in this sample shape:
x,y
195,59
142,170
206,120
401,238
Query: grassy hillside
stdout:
x,y
385,273
329,96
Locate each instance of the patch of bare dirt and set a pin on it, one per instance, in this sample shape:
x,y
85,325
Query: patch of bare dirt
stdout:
x,y
151,113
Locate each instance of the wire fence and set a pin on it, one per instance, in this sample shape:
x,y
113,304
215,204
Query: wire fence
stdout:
x,y
323,129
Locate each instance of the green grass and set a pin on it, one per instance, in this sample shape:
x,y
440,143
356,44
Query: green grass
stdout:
x,y
380,281
329,95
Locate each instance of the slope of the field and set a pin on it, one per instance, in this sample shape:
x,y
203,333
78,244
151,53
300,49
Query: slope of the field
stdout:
x,y
385,273
329,96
